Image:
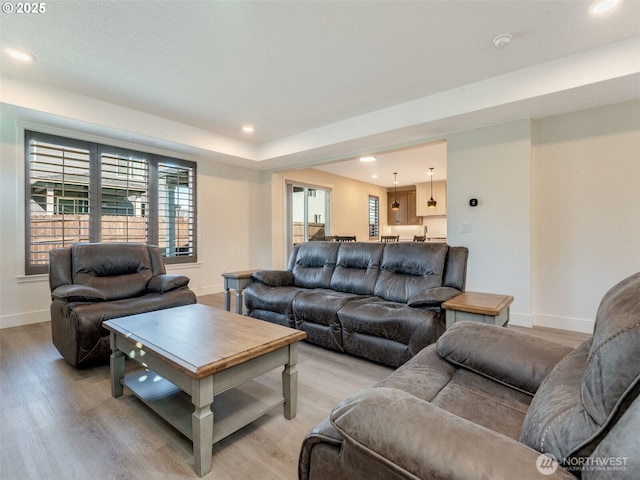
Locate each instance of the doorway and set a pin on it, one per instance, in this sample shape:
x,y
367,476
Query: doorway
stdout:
x,y
308,217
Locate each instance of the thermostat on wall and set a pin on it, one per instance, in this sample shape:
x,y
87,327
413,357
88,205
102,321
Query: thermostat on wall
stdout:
x,y
473,202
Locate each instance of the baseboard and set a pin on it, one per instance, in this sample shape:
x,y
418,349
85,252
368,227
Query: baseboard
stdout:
x,y
18,319
26,318
563,323
551,321
207,290
520,320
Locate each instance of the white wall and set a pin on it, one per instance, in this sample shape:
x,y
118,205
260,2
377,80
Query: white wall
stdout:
x,y
558,221
233,226
586,211
233,219
493,164
349,206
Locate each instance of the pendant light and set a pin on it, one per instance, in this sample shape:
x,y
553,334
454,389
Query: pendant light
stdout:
x,y
395,205
431,203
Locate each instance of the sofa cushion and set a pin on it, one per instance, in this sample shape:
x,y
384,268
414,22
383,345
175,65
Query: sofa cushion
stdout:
x,y
424,376
77,293
167,282
463,393
553,423
320,306
315,263
433,297
512,358
377,317
484,402
357,268
614,358
91,339
259,296
274,278
455,274
59,267
409,268
618,451
580,399
378,329
419,440
118,270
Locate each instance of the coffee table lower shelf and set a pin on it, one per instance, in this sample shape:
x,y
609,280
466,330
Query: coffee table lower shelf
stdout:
x,y
232,409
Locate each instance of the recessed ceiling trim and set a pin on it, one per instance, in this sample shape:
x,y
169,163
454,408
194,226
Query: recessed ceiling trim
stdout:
x,y
595,66
395,125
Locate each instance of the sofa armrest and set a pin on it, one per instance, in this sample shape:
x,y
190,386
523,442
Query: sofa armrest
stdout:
x,y
416,439
167,282
433,297
274,278
77,293
512,358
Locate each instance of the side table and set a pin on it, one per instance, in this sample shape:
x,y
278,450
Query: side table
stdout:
x,y
238,281
478,307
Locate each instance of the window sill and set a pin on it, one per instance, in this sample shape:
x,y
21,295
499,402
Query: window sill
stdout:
x,y
40,277
182,266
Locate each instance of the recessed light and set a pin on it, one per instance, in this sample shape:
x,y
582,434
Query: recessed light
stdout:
x,y
501,40
601,6
368,159
374,176
248,129
19,54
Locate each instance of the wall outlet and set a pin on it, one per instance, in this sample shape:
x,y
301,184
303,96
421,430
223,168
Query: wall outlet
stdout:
x,y
465,228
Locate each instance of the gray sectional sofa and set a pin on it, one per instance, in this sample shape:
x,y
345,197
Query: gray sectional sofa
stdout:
x,y
486,402
380,301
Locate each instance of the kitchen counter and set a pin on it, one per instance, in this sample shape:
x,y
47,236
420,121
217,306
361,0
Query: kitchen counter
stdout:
x,y
434,229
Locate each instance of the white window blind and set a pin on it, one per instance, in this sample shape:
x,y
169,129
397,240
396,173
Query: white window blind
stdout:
x,y
374,217
58,201
80,191
176,213
123,198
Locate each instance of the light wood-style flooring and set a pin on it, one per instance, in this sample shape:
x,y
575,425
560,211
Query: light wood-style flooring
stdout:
x,y
57,422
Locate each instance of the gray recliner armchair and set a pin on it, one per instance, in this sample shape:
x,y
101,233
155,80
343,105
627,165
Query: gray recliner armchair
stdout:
x,y
94,282
488,402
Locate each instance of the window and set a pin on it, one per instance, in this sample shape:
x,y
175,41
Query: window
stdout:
x,y
175,207
87,192
124,178
374,217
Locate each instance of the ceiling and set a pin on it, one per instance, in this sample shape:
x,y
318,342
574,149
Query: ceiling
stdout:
x,y
411,164
320,81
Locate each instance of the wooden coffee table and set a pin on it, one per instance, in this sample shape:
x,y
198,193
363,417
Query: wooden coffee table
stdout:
x,y
200,362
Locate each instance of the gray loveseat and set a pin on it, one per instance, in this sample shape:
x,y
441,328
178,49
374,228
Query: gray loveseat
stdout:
x,y
486,402
380,301
94,282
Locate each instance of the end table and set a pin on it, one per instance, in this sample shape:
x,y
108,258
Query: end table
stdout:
x,y
478,307
238,281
